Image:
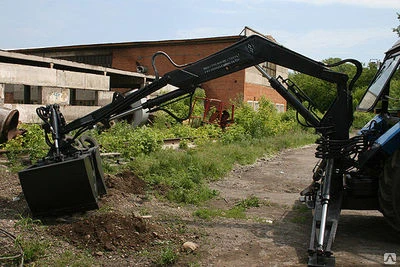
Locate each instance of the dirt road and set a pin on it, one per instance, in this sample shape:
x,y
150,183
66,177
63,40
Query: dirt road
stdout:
x,y
277,233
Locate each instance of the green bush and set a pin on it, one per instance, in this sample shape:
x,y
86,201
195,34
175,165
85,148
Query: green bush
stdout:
x,y
180,109
361,118
235,133
128,140
32,144
167,257
266,121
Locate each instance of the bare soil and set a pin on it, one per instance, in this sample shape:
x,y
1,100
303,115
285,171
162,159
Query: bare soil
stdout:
x,y
133,228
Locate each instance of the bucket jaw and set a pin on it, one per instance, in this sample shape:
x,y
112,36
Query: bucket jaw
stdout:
x,y
53,188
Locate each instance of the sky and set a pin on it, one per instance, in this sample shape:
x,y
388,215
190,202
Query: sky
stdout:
x,y
319,29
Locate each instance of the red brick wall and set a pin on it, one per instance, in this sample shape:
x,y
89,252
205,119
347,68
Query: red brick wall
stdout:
x,y
126,58
227,88
224,88
255,91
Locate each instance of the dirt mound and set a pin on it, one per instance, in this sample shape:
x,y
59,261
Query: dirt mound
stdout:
x,y
108,232
126,182
112,231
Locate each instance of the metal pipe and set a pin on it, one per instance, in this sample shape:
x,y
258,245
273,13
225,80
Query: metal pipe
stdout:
x,y
307,115
8,124
123,114
325,201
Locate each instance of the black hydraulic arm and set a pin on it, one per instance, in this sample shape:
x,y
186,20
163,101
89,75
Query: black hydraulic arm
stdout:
x,y
245,53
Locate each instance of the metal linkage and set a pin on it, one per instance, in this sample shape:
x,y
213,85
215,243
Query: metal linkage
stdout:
x,y
326,215
328,148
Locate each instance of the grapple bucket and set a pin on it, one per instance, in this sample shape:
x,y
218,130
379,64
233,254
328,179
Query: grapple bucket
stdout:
x,y
64,187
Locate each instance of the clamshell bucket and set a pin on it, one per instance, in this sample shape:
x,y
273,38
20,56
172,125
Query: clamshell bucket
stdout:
x,y
8,124
64,187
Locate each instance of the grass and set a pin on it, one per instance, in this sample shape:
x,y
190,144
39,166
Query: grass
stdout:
x,y
301,214
34,249
38,249
72,259
27,223
182,175
249,202
168,256
236,212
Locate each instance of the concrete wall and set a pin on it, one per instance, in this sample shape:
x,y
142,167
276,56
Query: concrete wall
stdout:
x,y
257,86
51,95
51,86
104,98
27,113
2,90
29,75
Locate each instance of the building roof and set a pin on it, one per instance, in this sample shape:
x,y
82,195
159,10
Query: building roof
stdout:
x,y
221,39
132,44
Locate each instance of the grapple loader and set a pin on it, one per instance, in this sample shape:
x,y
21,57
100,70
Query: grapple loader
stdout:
x,y
358,172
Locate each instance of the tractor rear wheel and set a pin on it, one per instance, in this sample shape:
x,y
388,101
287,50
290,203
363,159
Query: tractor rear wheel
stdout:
x,y
389,191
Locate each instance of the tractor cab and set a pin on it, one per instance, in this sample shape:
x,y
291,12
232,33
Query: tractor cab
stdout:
x,y
378,94
383,98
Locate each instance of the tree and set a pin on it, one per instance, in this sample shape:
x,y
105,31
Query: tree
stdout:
x,y
397,29
323,93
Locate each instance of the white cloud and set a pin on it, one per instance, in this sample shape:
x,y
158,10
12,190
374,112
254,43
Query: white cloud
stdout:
x,y
362,3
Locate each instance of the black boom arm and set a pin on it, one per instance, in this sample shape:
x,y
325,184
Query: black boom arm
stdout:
x,y
245,53
251,51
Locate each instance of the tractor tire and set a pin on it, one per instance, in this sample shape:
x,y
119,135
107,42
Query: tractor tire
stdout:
x,y
389,191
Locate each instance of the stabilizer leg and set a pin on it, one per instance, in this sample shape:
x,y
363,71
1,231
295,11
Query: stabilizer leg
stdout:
x,y
325,221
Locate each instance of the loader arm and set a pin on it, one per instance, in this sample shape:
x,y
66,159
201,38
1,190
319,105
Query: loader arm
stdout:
x,y
250,51
245,53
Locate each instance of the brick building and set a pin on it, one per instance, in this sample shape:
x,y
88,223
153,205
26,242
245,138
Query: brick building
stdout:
x,y
247,84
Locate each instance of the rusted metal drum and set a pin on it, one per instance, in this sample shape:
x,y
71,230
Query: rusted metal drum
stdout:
x,y
8,124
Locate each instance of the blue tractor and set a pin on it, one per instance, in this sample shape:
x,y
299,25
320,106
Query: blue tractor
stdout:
x,y
381,160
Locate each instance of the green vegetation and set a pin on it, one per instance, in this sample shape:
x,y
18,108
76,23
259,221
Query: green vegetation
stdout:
x,y
236,212
361,118
300,214
323,93
27,223
249,202
30,146
168,256
72,259
181,175
33,249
